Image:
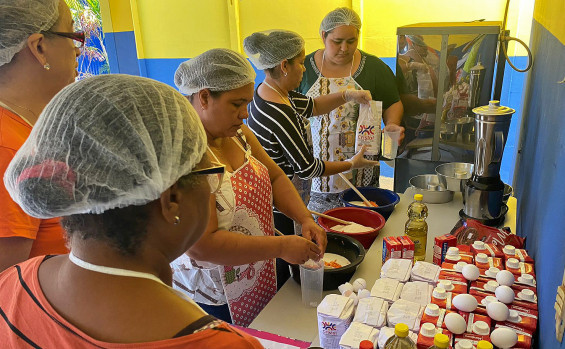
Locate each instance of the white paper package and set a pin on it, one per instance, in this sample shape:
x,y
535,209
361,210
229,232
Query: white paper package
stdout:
x,y
398,269
424,271
387,289
387,332
335,313
356,333
406,312
371,311
418,292
369,128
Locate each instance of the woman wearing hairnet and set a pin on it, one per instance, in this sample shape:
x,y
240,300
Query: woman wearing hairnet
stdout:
x,y
340,66
231,270
38,52
120,158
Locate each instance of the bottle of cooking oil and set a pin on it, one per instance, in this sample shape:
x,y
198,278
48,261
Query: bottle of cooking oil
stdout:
x,y
416,227
400,340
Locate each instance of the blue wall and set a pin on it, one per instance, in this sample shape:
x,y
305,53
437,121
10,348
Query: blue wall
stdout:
x,y
540,172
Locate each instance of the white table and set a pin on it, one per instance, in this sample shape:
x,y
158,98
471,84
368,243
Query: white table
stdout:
x,y
286,316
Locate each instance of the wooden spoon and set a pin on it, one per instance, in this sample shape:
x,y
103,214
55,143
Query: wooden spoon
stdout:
x,y
331,218
367,202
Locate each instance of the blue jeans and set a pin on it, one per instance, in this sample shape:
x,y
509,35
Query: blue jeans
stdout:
x,y
221,312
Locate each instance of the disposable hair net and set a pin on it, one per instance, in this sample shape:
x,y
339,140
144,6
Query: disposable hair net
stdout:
x,y
338,17
21,18
218,69
105,142
268,49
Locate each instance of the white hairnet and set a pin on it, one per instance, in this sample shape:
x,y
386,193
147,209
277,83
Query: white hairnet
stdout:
x,y
269,48
105,142
218,69
338,17
21,18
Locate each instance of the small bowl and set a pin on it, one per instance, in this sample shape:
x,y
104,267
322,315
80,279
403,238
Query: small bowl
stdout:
x,y
508,191
362,216
454,175
386,199
342,245
431,188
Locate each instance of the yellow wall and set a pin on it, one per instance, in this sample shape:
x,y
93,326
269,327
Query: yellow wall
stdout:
x,y
116,16
549,13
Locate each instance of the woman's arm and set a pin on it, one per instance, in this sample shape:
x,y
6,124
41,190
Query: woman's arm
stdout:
x,y
327,103
393,115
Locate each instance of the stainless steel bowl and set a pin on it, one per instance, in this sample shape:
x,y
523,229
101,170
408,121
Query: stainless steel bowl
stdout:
x,y
430,187
508,192
453,175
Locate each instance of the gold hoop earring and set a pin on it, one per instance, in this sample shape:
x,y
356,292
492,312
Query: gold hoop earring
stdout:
x,y
177,220
46,66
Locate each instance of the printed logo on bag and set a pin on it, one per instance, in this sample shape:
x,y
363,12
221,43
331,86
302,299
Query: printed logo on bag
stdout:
x,y
329,328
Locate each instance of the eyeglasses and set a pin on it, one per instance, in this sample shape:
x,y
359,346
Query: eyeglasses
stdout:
x,y
78,37
215,176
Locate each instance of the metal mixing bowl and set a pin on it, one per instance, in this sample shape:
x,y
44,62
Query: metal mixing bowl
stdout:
x,y
431,188
454,175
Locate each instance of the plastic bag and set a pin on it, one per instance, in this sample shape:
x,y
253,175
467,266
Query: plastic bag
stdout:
x,y
470,230
369,128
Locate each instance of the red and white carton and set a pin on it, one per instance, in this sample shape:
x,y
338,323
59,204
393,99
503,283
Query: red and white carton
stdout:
x,y
524,320
407,247
518,253
442,298
392,248
517,287
455,254
490,250
457,280
435,315
484,285
474,338
524,338
472,319
489,273
483,298
518,268
427,334
524,310
441,244
482,261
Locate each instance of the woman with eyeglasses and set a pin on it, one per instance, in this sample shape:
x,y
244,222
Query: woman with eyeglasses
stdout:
x,y
122,159
230,271
38,57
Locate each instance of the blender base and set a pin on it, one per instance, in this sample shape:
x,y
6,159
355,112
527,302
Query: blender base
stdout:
x,y
491,222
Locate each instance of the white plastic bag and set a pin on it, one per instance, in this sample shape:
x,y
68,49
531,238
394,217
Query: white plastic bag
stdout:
x,y
369,127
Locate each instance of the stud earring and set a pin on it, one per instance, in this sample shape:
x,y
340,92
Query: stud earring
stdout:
x,y
177,220
285,74
46,66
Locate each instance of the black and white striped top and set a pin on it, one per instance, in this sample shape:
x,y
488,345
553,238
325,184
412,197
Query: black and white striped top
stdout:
x,y
283,132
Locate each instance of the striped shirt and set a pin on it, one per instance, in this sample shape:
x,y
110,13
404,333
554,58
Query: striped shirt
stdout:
x,y
283,132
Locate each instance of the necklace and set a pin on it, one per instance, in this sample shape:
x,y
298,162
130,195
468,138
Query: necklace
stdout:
x,y
3,104
277,91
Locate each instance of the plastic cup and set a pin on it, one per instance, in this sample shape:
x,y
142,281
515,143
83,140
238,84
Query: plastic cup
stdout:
x,y
311,281
390,143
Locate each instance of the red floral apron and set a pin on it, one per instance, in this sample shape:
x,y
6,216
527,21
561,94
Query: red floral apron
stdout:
x,y
248,288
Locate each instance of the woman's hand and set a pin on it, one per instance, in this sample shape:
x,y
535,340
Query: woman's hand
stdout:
x,y
357,96
313,232
297,250
359,161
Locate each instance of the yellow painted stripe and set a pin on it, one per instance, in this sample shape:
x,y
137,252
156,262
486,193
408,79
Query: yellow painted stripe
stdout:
x,y
549,13
116,16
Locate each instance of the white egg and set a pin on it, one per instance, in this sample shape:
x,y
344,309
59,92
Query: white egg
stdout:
x,y
455,323
363,294
359,284
504,277
504,294
504,337
465,302
344,287
470,272
498,311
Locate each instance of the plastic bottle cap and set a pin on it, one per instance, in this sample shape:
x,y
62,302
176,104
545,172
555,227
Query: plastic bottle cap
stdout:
x,y
526,279
453,251
446,285
401,330
481,258
527,295
481,328
491,285
432,310
418,197
441,340
492,271
479,245
484,345
514,316
464,344
513,263
488,299
428,330
439,293
459,266
509,250
366,345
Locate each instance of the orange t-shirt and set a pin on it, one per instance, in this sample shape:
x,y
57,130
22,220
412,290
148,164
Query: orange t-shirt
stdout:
x,y
29,321
48,235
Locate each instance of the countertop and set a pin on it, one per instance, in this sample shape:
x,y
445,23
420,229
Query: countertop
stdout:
x,y
286,316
